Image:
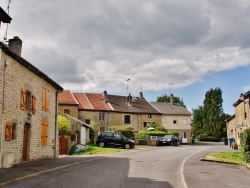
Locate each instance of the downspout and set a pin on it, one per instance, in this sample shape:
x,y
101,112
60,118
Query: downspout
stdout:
x,y
56,116
2,126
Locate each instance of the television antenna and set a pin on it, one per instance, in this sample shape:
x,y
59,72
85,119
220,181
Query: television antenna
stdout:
x,y
127,85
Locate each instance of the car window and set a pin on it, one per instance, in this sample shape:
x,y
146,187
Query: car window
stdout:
x,y
117,136
110,135
167,136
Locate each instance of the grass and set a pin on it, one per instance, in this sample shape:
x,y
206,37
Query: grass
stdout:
x,y
227,157
93,149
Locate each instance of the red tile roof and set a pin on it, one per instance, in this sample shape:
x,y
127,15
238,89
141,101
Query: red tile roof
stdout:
x,y
66,97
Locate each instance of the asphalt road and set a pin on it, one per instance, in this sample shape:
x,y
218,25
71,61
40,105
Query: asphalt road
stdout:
x,y
168,167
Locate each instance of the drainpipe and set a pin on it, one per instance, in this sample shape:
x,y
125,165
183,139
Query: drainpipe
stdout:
x,y
2,120
56,116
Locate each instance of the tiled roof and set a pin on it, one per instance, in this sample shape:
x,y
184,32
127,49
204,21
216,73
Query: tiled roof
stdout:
x,y
91,101
168,109
137,105
83,101
66,97
97,101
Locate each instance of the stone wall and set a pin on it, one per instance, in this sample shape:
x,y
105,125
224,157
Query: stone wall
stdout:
x,y
16,77
116,118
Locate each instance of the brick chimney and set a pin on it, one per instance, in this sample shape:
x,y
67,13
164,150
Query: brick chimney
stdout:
x,y
129,99
15,45
141,95
171,99
105,96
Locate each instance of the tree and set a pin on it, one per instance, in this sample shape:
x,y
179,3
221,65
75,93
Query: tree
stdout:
x,y
64,126
212,108
166,98
210,118
197,123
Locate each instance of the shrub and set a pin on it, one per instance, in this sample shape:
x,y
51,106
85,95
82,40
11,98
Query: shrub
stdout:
x,y
64,126
127,131
209,139
245,144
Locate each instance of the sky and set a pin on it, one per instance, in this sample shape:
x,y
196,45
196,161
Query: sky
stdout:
x,y
155,46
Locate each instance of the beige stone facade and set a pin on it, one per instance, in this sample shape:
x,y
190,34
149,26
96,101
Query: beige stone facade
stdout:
x,y
137,121
237,123
15,78
180,123
72,109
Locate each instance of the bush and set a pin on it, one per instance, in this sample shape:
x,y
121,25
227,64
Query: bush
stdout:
x,y
143,134
209,139
126,131
245,144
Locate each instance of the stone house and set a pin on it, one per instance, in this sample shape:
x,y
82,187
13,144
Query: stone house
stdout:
x,y
108,110
240,120
28,105
175,118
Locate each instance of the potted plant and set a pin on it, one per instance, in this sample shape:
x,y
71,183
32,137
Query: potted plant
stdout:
x,y
234,145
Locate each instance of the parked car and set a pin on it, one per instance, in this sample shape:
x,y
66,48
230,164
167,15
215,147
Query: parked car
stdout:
x,y
114,139
170,140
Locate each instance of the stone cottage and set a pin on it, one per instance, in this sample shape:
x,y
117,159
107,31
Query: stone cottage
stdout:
x,y
28,108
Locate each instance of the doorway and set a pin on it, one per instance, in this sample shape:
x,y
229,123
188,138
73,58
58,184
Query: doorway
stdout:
x,y
26,132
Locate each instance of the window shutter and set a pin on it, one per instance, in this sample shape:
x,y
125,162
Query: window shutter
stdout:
x,y
23,99
9,131
44,132
33,104
45,99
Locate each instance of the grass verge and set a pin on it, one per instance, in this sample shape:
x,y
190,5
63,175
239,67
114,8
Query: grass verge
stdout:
x,y
93,149
227,157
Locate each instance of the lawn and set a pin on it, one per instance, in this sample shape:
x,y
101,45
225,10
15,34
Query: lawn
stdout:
x,y
228,157
93,149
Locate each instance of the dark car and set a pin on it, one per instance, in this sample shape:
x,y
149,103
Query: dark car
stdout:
x,y
114,139
169,140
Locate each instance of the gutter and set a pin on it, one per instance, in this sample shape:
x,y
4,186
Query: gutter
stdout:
x,y
56,116
2,120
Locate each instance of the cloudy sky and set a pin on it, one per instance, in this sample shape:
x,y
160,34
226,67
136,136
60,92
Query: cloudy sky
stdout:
x,y
163,46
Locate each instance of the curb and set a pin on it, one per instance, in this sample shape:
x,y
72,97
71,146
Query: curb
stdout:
x,y
217,161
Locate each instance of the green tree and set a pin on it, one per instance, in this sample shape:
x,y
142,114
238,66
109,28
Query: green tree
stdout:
x,y
64,126
210,119
166,98
197,123
212,108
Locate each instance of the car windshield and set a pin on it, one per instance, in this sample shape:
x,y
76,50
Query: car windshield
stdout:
x,y
167,136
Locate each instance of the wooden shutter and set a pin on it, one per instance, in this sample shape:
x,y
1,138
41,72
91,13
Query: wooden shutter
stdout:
x,y
44,132
33,104
23,99
45,99
9,131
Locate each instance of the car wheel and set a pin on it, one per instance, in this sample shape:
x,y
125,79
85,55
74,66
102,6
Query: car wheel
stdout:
x,y
102,144
127,146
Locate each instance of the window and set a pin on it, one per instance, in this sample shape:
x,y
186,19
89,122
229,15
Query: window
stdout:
x,y
149,115
101,116
175,121
67,111
184,121
28,101
44,132
10,131
127,119
117,136
145,124
87,121
45,103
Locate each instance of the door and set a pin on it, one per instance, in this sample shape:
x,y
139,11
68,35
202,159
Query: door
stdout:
x,y
184,137
25,141
63,145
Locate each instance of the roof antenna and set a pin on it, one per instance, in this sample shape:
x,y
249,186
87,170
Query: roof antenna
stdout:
x,y
6,32
127,85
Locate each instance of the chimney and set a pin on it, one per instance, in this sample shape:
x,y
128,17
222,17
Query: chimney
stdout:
x,y
15,45
129,99
141,95
171,99
105,96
